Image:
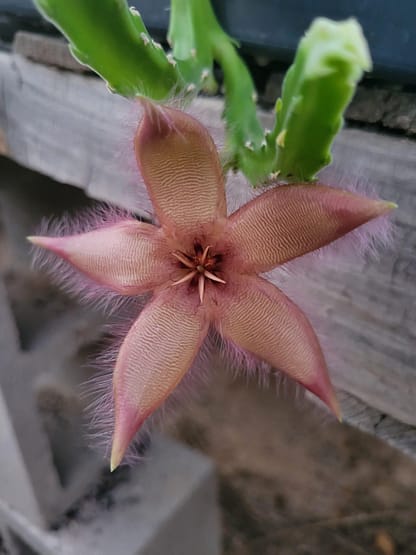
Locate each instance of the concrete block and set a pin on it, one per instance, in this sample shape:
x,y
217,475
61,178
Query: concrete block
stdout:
x,y
165,506
45,463
35,389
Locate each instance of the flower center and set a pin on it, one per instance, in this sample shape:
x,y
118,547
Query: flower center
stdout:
x,y
201,265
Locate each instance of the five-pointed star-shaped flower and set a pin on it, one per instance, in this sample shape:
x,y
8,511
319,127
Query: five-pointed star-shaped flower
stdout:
x,y
203,268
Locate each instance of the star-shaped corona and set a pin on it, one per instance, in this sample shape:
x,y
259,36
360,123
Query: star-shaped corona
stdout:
x,y
204,268
200,266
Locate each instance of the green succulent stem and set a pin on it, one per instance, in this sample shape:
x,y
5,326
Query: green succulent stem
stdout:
x,y
113,41
317,88
192,27
198,40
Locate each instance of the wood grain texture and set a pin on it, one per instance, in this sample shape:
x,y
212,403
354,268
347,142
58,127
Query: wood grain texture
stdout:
x,y
362,416
70,127
46,50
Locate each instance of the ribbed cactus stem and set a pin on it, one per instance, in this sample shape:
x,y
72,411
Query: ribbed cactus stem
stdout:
x,y
317,88
198,40
113,41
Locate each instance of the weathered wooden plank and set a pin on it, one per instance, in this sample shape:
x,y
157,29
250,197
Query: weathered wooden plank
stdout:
x,y
50,51
372,307
70,127
67,126
396,433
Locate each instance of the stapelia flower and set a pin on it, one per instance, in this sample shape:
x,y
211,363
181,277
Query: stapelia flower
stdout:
x,y
204,268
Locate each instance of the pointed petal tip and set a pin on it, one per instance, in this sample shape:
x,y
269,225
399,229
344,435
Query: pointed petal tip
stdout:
x,y
58,245
115,461
382,207
35,240
390,205
324,390
147,105
126,426
334,406
121,441
329,400
44,242
156,121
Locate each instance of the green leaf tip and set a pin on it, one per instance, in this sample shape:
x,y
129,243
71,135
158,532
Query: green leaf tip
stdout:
x,y
317,88
332,41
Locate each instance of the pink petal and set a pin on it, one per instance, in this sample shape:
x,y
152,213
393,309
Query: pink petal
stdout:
x,y
154,357
180,166
129,257
260,319
291,220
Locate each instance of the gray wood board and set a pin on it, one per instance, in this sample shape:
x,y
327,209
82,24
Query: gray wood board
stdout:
x,y
68,126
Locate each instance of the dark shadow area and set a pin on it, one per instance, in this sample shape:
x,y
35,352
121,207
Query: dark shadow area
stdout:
x,y
22,547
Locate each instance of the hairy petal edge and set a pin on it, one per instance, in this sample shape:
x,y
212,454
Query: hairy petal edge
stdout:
x,y
291,220
181,168
260,319
154,357
128,257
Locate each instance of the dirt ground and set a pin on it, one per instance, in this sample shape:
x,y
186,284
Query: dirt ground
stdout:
x,y
292,482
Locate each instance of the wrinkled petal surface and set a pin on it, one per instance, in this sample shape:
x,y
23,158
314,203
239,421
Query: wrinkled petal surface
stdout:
x,y
180,166
291,220
155,355
128,257
259,318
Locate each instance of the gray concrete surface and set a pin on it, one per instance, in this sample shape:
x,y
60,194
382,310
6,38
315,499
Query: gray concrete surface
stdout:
x,y
165,506
45,463
35,477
